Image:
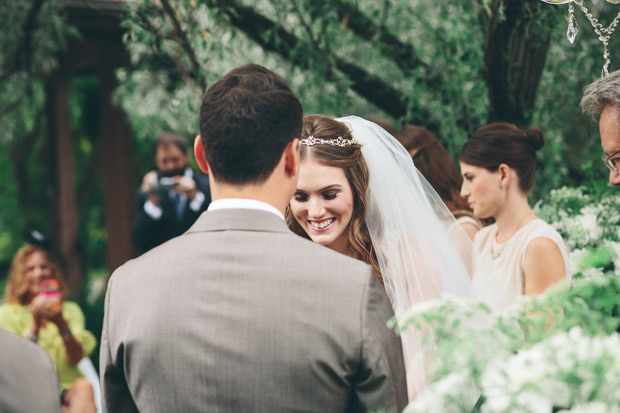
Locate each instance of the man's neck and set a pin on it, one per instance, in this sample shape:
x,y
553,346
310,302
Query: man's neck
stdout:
x,y
256,192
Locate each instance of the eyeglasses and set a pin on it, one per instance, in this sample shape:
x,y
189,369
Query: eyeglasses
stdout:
x,y
614,163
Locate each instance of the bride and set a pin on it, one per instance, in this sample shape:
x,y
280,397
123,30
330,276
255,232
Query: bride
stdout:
x,y
360,194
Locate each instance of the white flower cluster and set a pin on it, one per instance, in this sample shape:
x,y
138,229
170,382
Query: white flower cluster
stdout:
x,y
586,222
452,399
568,371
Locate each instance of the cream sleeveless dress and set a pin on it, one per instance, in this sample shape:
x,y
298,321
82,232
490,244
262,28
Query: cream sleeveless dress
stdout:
x,y
507,259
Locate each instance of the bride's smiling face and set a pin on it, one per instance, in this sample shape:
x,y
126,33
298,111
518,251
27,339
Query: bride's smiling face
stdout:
x,y
323,204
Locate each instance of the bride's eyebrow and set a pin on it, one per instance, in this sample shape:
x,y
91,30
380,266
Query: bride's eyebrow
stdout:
x,y
333,186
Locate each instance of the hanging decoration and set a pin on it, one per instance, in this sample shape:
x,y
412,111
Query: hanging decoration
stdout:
x,y
604,33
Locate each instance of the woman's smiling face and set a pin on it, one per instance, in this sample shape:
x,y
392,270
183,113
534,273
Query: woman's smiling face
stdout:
x,y
323,204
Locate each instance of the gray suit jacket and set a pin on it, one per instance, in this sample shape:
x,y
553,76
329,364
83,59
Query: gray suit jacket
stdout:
x,y
240,315
28,381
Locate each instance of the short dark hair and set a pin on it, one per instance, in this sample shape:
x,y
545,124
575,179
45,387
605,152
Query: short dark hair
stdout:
x,y
170,138
503,142
246,121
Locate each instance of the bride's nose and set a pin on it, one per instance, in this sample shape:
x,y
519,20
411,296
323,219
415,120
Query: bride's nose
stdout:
x,y
316,209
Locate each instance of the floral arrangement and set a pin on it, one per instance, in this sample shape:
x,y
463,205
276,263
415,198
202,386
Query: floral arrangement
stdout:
x,y
568,372
590,226
557,352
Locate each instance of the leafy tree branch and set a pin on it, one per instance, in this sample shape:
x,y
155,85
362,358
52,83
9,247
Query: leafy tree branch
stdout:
x,y
21,54
185,44
274,38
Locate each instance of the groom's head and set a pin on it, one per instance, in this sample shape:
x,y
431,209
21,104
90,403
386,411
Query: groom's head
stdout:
x,y
248,121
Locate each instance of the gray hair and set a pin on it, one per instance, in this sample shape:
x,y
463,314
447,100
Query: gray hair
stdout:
x,y
602,93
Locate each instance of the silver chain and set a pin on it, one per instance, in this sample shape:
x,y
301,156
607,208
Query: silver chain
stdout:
x,y
604,34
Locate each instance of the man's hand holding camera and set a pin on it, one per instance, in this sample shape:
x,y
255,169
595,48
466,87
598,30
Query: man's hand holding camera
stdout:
x,y
186,186
153,185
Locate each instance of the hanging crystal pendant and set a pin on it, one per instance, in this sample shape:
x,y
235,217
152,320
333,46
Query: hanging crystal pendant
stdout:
x,y
605,71
573,29
603,33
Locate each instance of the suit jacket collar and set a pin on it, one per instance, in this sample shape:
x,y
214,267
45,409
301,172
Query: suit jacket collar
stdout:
x,y
239,219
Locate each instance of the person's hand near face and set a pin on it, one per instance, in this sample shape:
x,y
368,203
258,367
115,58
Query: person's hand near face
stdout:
x,y
38,309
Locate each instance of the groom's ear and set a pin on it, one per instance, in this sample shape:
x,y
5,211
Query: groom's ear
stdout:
x,y
199,153
291,158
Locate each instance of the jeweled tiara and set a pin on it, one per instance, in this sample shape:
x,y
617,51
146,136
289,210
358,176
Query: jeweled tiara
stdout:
x,y
311,140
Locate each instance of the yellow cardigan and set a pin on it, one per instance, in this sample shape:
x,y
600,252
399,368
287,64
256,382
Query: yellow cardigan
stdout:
x,y
18,319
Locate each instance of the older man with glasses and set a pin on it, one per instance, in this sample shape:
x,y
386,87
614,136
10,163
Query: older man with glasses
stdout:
x,y
602,98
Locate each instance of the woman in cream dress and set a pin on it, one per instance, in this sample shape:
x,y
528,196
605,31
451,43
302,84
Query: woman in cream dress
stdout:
x,y
498,165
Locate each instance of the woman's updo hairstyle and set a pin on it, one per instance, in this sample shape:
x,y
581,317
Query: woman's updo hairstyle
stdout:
x,y
348,158
503,142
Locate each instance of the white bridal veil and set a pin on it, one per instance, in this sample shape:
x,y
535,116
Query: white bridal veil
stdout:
x,y
422,251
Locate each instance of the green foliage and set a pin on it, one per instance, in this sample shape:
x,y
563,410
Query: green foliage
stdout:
x,y
445,90
92,304
588,222
465,344
34,33
591,304
459,354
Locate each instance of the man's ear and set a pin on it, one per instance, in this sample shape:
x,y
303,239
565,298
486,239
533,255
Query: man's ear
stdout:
x,y
291,158
199,153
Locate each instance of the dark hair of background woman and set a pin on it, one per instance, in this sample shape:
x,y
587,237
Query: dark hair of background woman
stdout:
x,y
434,162
504,143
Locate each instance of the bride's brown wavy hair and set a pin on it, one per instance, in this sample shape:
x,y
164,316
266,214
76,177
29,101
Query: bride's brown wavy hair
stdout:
x,y
348,158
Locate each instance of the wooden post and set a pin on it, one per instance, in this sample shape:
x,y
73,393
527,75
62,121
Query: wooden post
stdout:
x,y
63,194
118,182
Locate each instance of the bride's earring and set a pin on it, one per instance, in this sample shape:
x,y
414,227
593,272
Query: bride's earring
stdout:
x,y
503,185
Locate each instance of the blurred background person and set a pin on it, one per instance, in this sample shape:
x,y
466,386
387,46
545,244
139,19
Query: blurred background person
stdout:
x,y
28,381
434,162
602,99
498,165
170,198
35,308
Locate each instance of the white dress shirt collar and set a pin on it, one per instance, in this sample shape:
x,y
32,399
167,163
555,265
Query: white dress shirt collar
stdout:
x,y
240,203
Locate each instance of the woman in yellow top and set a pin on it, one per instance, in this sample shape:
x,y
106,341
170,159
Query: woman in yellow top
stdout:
x,y
57,327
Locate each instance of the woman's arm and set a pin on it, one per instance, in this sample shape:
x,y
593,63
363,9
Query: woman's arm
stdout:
x,y
543,267
72,346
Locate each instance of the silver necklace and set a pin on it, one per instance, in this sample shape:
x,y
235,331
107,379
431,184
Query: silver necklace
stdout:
x,y
495,254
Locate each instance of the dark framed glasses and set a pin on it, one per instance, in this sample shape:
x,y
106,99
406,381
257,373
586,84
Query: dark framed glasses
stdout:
x,y
611,162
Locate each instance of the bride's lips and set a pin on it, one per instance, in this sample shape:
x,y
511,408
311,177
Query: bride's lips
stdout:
x,y
320,221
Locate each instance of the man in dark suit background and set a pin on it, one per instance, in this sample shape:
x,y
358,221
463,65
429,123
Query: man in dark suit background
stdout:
x,y
170,198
